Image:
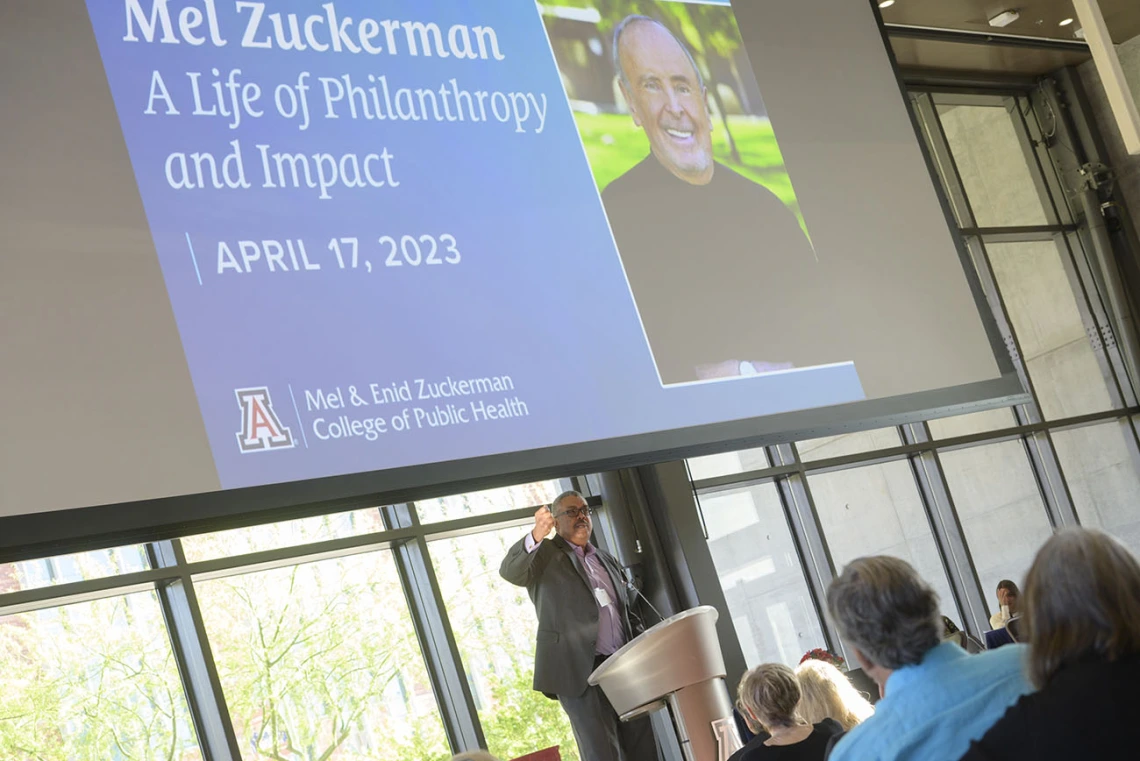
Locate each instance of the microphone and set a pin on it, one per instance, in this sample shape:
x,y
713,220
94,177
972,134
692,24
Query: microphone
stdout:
x,y
629,585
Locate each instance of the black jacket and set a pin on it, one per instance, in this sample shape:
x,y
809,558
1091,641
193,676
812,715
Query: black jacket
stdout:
x,y
1086,711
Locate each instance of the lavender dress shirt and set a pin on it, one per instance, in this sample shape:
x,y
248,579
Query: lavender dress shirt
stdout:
x,y
611,635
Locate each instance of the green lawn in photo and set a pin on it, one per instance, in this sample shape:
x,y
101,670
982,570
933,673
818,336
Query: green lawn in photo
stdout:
x,y
614,145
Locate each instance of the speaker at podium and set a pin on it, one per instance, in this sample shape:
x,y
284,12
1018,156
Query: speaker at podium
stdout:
x,y
676,666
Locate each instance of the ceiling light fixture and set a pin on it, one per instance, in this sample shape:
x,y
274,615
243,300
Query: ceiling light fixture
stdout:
x,y
1005,18
886,3
1066,22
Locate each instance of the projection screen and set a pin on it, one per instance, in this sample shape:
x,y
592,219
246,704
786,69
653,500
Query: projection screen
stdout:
x,y
260,255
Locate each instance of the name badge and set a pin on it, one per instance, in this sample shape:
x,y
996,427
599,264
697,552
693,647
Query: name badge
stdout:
x,y
603,597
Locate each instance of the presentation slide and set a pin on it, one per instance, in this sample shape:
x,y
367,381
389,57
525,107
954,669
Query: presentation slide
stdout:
x,y
293,240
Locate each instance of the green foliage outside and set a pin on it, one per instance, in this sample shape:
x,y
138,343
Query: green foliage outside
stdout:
x,y
524,720
494,624
93,681
318,661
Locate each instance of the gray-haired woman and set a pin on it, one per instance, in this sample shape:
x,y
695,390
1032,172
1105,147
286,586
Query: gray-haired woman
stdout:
x,y
769,696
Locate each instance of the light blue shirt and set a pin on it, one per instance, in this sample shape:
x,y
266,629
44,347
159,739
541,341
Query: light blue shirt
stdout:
x,y
933,710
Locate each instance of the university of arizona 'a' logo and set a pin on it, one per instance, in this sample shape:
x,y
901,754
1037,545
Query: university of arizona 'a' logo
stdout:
x,y
261,429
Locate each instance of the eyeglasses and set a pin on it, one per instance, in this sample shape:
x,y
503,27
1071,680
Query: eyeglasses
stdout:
x,y
577,512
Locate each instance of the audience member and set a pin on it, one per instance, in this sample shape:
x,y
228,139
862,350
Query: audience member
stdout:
x,y
747,728
769,695
825,655
825,693
1008,603
1082,620
936,697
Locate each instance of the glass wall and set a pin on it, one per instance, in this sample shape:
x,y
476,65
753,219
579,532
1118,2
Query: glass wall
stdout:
x,y
64,569
314,639
320,660
1000,507
973,496
495,624
877,510
1102,469
760,571
91,681
1054,340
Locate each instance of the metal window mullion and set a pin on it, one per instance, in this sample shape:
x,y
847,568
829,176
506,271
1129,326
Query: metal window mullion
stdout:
x,y
1132,437
1038,143
1103,332
192,654
1108,342
917,434
808,539
1018,234
949,536
996,301
37,598
940,151
1107,288
1087,292
435,635
1050,481
939,147
1046,470
1035,153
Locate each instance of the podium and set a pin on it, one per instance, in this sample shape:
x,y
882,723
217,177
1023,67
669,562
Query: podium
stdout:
x,y
676,665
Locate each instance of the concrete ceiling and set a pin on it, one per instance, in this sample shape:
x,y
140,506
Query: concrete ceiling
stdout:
x,y
1039,18
918,50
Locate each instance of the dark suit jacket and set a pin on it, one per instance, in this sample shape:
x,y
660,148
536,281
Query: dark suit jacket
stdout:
x,y
563,597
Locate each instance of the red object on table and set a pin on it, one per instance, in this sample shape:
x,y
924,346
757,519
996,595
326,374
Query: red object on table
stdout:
x,y
550,754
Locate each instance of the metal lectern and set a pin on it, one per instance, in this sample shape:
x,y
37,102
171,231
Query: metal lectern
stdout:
x,y
676,665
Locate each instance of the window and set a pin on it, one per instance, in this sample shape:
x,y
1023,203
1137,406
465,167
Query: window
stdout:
x,y
760,572
974,422
1055,344
877,510
1102,468
993,168
488,502
320,661
93,680
495,624
1000,509
727,463
284,534
848,443
64,569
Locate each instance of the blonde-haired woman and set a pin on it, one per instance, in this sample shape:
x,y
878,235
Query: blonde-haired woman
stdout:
x,y
825,693
769,696
1081,613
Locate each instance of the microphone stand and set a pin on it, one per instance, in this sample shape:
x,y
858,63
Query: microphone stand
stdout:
x,y
629,585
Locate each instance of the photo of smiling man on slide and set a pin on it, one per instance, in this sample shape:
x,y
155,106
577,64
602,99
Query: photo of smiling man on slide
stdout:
x,y
701,207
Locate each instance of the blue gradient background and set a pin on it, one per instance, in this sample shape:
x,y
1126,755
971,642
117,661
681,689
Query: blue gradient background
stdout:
x,y
540,294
